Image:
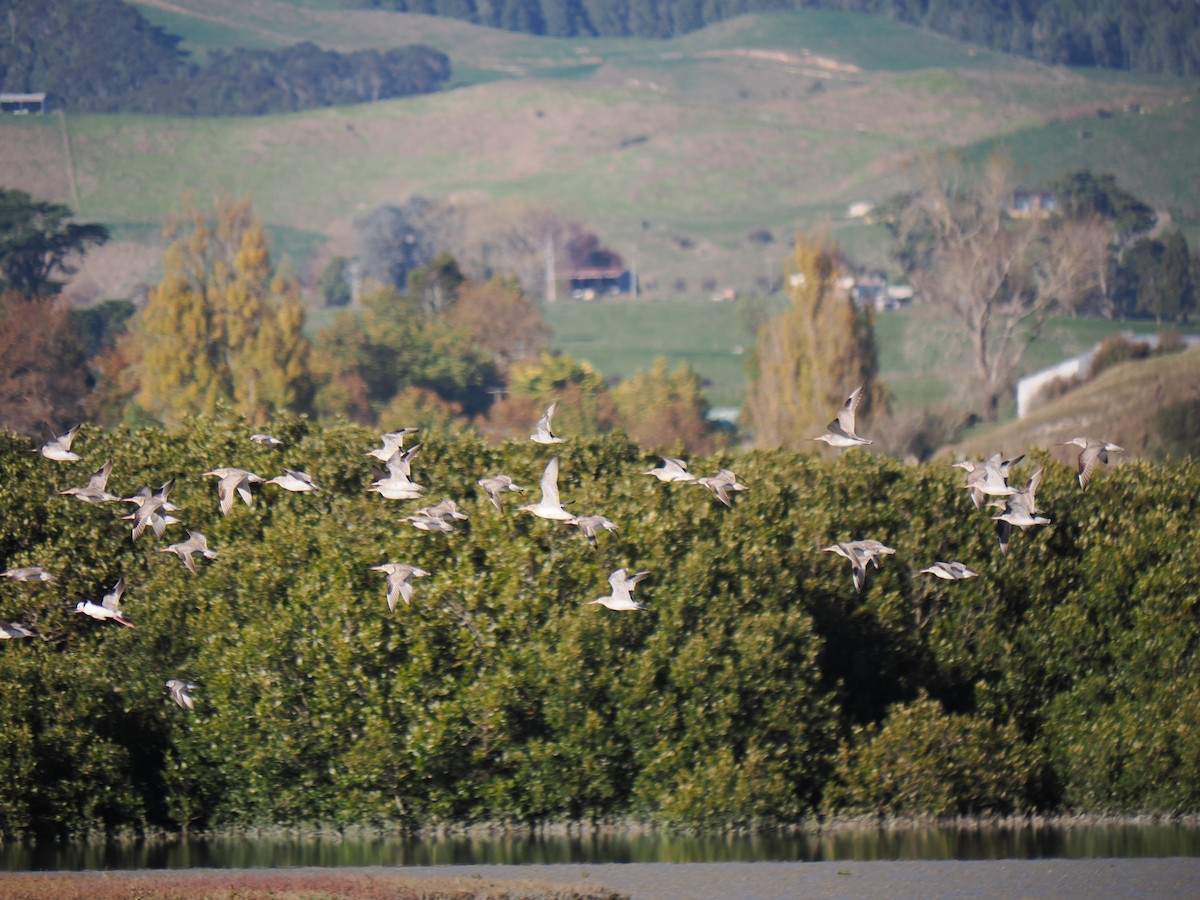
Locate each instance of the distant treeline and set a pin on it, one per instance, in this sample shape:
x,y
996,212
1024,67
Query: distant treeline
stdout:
x,y
1148,35
105,57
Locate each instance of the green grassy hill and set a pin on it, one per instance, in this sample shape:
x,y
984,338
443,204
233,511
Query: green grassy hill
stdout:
x,y
674,152
1119,405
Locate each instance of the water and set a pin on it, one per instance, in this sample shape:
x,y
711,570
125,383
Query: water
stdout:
x,y
1009,842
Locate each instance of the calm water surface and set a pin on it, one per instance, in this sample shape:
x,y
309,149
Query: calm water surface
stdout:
x,y
1022,842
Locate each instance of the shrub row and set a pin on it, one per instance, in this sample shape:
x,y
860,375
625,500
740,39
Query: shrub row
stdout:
x,y
756,688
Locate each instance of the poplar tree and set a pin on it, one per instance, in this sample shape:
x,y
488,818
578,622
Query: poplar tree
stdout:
x,y
223,327
809,358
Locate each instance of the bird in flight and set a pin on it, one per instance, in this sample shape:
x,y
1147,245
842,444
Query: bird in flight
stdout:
x,y
549,506
96,490
620,597
543,433
840,432
399,581
181,692
59,448
1092,453
233,483
672,469
108,608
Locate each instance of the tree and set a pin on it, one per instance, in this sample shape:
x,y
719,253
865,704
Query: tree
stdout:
x,y
41,371
394,241
222,327
366,359
434,286
584,403
37,241
1155,279
1178,289
1082,195
810,357
996,276
501,320
333,285
661,409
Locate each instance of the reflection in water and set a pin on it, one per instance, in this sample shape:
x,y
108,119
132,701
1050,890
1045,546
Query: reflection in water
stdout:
x,y
1024,842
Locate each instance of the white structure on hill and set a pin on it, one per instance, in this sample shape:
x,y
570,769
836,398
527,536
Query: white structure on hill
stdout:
x,y
1030,386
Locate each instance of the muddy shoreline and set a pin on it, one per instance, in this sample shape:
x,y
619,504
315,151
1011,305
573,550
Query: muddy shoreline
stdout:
x,y
1088,878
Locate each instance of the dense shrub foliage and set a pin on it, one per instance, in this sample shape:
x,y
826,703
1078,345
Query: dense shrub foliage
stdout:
x,y
757,686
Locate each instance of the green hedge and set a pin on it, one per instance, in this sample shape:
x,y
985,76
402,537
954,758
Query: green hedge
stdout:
x,y
757,687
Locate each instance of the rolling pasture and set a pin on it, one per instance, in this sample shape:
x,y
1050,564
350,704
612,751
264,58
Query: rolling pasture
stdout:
x,y
672,151
920,356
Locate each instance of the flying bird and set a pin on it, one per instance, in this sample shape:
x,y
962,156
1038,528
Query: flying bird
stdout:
x,y
621,596
233,483
1020,509
195,545
447,509
153,510
10,630
672,469
549,506
266,440
28,573
721,484
393,443
295,481
429,523
399,581
108,608
59,448
496,485
1092,453
988,478
543,434
840,432
398,485
950,571
590,526
96,490
861,554
181,692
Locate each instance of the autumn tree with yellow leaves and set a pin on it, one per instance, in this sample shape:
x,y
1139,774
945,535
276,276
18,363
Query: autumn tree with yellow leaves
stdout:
x,y
665,409
223,327
810,357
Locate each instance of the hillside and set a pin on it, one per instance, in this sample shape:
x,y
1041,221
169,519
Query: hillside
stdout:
x,y
673,151
1119,405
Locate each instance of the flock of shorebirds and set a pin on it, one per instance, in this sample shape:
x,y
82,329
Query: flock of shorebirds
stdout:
x,y
985,479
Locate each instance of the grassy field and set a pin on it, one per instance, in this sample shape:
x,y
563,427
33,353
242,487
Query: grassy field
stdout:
x,y
1119,405
673,151
623,338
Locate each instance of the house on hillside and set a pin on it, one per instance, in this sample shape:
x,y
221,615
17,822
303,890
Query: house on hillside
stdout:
x,y
1033,205
875,291
869,290
22,104
590,282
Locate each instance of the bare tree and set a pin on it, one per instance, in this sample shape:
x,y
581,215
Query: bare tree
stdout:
x,y
997,274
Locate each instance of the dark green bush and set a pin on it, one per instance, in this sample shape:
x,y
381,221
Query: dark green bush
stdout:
x,y
922,761
500,694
